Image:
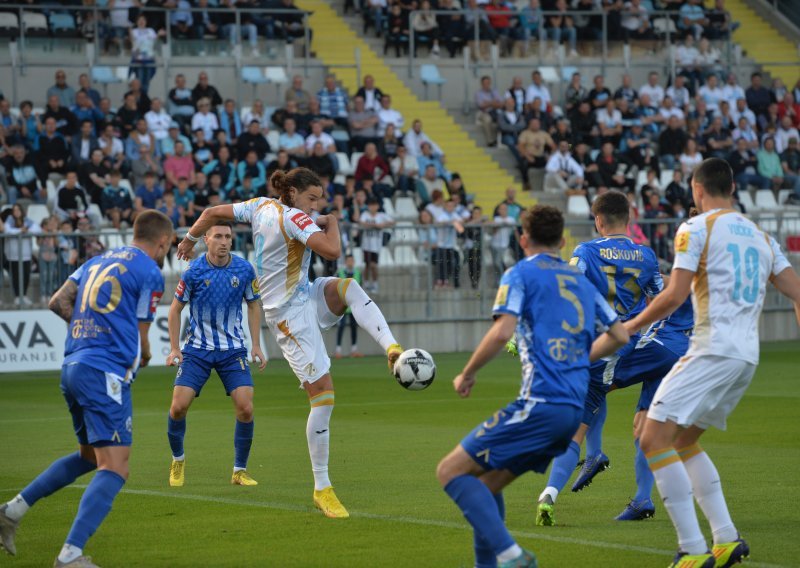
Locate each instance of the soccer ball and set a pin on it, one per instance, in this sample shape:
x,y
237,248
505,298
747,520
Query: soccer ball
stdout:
x,y
415,369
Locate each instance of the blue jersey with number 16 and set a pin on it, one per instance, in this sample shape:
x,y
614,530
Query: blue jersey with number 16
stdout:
x,y
116,291
558,315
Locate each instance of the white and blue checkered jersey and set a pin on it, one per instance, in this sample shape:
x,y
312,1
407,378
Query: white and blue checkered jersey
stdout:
x,y
215,295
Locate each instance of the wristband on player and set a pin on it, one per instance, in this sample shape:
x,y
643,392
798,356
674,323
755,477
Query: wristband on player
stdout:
x,y
192,238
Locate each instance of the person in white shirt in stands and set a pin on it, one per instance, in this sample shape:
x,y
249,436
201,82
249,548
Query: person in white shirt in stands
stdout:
x,y
158,120
387,115
414,139
319,135
372,222
563,173
746,132
785,133
690,158
653,89
405,170
290,140
204,119
732,91
501,238
537,89
257,113
668,110
679,93
740,110
711,93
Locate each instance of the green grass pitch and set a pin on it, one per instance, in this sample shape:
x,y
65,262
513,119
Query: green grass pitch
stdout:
x,y
384,448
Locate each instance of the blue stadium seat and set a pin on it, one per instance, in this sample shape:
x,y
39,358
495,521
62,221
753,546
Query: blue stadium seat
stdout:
x,y
105,76
254,76
429,74
62,24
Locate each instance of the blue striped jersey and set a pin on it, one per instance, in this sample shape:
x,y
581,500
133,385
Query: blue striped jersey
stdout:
x,y
215,295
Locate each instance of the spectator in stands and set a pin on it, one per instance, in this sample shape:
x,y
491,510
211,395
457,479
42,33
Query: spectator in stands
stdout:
x,y
18,251
652,89
178,165
668,110
148,196
563,173
143,51
679,93
678,191
531,24
514,208
53,154
488,103
88,242
599,94
290,140
373,222
609,120
671,143
518,94
171,210
84,109
387,115
319,161
64,93
20,172
449,226
47,259
93,175
612,170
758,97
253,139
637,148
562,26
86,87
142,100
426,26
224,167
431,182
298,94
744,164
626,90
140,139
769,164
732,91
510,122
502,233
790,162
686,61
147,161
427,158
203,90
720,25
718,139
66,122
251,166
711,94
693,18
72,201
452,26
405,170
246,28
229,121
476,16
333,101
84,144
788,106
363,125
181,21
128,115
181,102
371,94
786,131
30,124
537,90
174,135
371,168
318,135
635,22
584,125
204,119
533,145
158,120
205,23
690,158
116,203
746,131
184,200
291,23
415,138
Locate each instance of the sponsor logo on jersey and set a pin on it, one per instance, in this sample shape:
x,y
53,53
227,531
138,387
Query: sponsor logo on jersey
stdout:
x,y
254,286
181,288
155,297
234,281
574,261
682,242
502,295
302,220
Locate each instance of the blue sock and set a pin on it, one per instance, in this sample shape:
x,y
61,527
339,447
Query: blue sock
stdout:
x,y
61,473
242,440
95,506
594,437
481,510
644,477
563,466
484,555
176,430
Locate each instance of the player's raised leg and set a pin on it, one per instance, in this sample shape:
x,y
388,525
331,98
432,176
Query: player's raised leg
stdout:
x,y
62,472
242,398
182,398
341,293
321,398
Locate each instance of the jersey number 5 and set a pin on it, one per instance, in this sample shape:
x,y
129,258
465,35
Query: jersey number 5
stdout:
x,y
95,282
570,296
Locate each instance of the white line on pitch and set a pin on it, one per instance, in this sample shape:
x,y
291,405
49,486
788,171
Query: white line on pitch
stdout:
x,y
407,520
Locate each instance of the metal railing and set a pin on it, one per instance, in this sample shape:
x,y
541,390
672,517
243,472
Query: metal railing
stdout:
x,y
430,281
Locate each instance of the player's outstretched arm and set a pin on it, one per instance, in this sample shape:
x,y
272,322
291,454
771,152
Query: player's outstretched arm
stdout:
x,y
609,342
144,338
495,339
175,356
675,294
206,220
788,284
254,324
63,301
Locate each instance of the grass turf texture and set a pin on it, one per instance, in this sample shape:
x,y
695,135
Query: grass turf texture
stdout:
x,y
385,445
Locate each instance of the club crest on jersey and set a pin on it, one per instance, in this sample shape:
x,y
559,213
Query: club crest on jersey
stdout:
x,y
234,281
207,281
302,220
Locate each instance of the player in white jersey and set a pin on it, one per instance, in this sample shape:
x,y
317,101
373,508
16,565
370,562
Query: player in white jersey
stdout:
x,y
726,261
284,236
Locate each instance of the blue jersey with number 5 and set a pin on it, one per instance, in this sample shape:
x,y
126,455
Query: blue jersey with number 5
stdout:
x,y
621,270
116,291
558,314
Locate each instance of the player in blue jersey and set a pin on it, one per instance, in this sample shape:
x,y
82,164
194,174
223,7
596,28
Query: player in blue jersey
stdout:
x,y
109,304
624,273
215,285
555,312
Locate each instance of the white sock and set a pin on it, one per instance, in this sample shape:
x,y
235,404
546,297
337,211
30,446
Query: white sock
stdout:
x,y
17,508
235,469
368,315
69,553
319,435
551,491
708,492
179,458
675,488
354,348
509,553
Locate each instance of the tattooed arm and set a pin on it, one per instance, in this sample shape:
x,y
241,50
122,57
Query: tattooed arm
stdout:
x,y
63,301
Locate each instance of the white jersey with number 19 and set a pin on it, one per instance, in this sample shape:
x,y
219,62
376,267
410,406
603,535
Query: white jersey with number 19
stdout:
x,y
280,234
732,260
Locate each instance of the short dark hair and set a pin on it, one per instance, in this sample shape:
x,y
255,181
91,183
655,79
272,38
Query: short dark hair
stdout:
x,y
715,176
614,207
544,225
222,224
151,225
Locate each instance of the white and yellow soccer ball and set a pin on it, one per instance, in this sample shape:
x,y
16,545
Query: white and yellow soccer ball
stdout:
x,y
415,369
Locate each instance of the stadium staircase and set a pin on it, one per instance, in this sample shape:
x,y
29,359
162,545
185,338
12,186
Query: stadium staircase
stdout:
x,y
763,42
334,41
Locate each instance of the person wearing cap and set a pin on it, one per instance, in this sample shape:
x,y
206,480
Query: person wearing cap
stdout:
x,y
174,135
